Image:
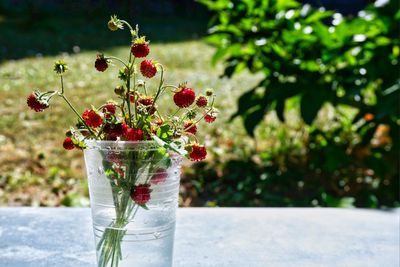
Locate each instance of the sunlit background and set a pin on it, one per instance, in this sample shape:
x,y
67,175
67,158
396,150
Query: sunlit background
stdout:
x,y
308,93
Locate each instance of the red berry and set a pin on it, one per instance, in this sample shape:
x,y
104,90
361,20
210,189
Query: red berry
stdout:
x,y
140,49
91,118
35,104
141,194
184,97
114,157
68,144
159,176
148,103
148,68
115,130
209,118
101,63
190,127
201,101
109,107
197,153
134,134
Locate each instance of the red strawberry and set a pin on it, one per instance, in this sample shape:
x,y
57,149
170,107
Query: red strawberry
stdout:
x,y
148,68
91,118
190,127
101,63
68,144
197,152
134,134
147,102
141,194
115,130
201,101
140,49
184,97
209,118
35,104
109,107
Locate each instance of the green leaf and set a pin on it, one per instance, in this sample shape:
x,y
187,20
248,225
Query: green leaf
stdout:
x,y
318,16
382,41
143,206
344,202
253,118
219,54
280,108
286,4
172,146
311,103
245,102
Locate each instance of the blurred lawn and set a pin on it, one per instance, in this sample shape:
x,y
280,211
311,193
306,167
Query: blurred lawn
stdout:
x,y
34,168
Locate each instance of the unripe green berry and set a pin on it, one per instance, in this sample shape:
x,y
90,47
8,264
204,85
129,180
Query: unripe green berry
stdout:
x,y
209,92
112,26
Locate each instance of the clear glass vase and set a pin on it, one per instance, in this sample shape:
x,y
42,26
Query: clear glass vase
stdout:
x,y
133,190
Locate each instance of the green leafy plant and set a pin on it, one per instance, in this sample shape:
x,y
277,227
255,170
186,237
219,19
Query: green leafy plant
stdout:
x,y
351,62
311,60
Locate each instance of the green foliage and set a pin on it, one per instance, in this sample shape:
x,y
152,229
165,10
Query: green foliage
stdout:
x,y
354,63
312,60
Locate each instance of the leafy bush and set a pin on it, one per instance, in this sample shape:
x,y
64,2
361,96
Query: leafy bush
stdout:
x,y
313,60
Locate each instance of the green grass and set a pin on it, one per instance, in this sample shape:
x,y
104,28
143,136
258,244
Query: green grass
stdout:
x,y
35,169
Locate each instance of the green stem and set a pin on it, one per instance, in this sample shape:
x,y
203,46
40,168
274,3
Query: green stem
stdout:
x,y
62,84
159,88
134,92
118,59
175,112
144,87
72,107
127,24
170,86
76,112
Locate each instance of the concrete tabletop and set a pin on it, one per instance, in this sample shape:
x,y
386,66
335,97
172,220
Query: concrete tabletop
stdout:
x,y
215,237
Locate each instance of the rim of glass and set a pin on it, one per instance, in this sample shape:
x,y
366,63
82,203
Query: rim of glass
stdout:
x,y
119,145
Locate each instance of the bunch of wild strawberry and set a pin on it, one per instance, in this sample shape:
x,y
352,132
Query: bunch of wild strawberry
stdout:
x,y
135,115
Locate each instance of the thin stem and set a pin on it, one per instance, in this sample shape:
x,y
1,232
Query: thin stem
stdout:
x,y
159,88
62,84
170,86
202,117
175,112
144,87
76,112
118,59
127,24
134,92
71,106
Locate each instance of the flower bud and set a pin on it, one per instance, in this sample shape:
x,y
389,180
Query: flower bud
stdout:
x,y
114,24
119,90
60,66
